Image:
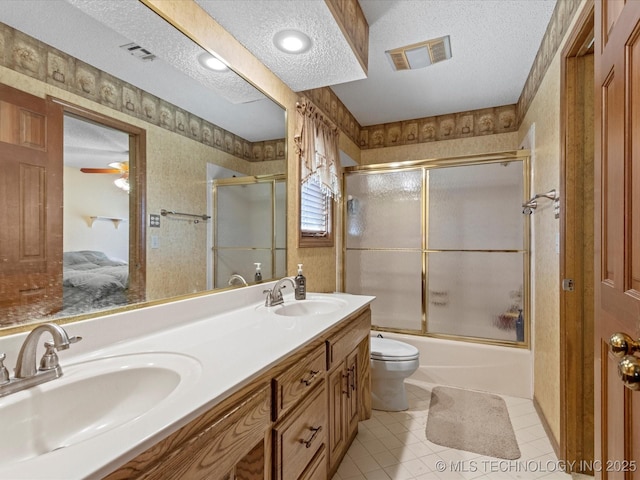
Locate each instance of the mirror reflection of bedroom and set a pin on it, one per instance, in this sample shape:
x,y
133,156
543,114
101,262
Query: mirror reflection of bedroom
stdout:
x,y
96,216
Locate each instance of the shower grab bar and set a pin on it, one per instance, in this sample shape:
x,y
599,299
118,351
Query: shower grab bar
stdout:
x,y
164,213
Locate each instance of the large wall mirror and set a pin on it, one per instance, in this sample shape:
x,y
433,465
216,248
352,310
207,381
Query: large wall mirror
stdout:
x,y
165,159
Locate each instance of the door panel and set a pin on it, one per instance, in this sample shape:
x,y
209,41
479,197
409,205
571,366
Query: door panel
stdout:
x,y
617,221
30,205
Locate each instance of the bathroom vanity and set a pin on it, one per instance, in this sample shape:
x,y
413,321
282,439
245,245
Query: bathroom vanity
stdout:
x,y
266,393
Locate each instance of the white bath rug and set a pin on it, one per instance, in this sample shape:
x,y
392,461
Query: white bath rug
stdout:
x,y
472,421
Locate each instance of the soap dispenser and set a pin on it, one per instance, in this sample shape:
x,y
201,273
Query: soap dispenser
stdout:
x,y
258,276
301,284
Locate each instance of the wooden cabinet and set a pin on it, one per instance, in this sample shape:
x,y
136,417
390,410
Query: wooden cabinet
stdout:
x,y
347,384
301,437
293,384
211,446
295,421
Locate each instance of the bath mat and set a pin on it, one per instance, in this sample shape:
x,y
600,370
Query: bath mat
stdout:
x,y
472,421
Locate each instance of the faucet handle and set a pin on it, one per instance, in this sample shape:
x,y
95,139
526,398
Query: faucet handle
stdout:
x,y
49,360
4,373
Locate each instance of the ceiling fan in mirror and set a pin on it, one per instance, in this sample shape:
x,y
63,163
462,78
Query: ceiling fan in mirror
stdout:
x,y
117,168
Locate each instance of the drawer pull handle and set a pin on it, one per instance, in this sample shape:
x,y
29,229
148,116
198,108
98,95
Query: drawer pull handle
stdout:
x,y
352,371
315,430
348,377
308,381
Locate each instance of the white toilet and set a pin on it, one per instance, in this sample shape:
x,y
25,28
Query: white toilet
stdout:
x,y
391,362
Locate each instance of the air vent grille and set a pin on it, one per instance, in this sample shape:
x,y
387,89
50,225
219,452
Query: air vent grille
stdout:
x,y
138,51
400,62
419,55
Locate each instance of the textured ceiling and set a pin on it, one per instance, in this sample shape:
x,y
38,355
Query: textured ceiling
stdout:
x,y
493,46
94,30
494,43
254,23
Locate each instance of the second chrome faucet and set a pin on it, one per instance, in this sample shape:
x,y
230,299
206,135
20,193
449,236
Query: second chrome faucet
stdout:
x,y
274,296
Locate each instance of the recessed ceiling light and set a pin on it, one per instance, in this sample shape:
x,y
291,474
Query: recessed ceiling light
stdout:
x,y
211,62
292,41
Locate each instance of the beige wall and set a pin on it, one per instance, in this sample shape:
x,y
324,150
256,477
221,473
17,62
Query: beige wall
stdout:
x,y
176,180
544,113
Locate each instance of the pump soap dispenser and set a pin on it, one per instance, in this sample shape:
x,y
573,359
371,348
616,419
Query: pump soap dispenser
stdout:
x,y
301,284
258,276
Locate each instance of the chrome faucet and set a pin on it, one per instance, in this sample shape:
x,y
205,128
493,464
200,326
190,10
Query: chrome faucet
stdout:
x,y
274,296
26,374
236,277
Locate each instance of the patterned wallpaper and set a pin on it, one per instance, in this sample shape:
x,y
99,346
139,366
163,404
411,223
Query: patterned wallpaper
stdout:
x,y
560,21
351,20
36,59
500,119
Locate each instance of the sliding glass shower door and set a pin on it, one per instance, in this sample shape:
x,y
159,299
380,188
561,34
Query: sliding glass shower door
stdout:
x,y
441,247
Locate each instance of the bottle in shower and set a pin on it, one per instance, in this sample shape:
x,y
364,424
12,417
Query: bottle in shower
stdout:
x,y
258,276
301,284
520,328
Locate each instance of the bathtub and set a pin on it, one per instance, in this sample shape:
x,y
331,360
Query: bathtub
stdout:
x,y
488,368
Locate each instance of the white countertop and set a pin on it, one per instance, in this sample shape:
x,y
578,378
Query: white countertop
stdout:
x,y
229,336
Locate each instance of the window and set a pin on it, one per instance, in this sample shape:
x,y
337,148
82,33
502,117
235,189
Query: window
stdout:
x,y
315,216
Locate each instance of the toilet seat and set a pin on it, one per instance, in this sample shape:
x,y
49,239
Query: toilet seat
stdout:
x,y
390,350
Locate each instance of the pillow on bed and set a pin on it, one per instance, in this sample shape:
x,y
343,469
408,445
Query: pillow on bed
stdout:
x,y
97,284
89,256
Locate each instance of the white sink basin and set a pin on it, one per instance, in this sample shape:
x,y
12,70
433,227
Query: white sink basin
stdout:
x,y
90,398
309,307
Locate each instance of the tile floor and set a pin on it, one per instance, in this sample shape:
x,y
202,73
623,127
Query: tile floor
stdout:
x,y
394,446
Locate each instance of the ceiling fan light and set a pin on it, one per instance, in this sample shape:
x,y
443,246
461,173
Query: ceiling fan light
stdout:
x,y
123,184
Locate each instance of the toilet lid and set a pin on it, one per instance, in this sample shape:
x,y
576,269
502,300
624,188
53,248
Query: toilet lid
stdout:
x,y
393,350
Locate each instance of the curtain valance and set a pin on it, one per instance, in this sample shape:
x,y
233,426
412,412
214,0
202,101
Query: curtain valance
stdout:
x,y
316,141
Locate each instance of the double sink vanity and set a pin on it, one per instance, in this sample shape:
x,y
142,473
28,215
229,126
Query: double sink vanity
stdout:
x,y
215,386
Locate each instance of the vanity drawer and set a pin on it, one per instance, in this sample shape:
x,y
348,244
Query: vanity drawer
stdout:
x,y
292,385
342,343
217,447
301,437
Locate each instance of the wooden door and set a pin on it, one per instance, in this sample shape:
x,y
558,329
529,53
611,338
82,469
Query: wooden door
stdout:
x,y
30,206
617,238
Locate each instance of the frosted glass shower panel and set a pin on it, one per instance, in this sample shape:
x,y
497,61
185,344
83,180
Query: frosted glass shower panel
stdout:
x,y
395,278
475,294
384,210
244,216
476,207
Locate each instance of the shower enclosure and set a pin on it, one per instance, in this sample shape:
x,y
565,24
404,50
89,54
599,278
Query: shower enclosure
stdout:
x,y
249,226
443,245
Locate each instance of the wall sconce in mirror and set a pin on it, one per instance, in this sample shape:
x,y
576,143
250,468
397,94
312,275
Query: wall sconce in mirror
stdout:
x,y
529,206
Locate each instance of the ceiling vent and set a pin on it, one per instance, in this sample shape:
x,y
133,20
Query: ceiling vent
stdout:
x,y
138,51
419,55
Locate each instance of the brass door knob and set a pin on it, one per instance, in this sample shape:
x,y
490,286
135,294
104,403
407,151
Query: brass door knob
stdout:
x,y
629,371
622,344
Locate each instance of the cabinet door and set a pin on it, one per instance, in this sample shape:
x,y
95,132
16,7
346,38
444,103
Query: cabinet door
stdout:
x,y
337,425
351,398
